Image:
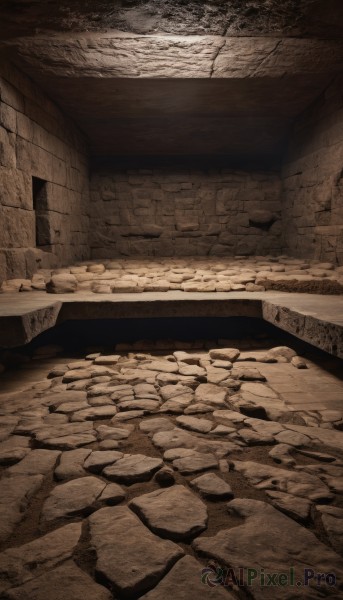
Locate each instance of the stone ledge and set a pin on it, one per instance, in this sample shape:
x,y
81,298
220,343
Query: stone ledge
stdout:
x,y
26,315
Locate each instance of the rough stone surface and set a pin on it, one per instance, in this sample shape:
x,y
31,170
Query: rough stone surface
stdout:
x,y
210,394
293,506
38,462
133,468
128,554
212,487
37,140
71,464
195,463
195,424
72,498
187,569
15,494
97,460
295,483
280,541
174,513
312,208
332,522
46,552
65,581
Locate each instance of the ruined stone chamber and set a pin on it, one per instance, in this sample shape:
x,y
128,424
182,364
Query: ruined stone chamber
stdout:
x,y
171,308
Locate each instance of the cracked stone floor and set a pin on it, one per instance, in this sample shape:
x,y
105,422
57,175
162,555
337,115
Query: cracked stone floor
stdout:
x,y
212,473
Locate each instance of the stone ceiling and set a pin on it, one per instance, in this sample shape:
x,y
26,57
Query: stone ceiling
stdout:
x,y
179,77
181,17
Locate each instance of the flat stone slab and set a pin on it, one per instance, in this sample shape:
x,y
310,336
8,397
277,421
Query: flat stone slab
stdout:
x,y
321,324
212,487
195,463
129,556
319,437
254,438
71,464
184,582
46,552
113,433
195,424
65,581
165,366
70,442
14,449
174,390
174,513
230,354
178,438
139,404
127,415
46,433
133,468
112,494
76,497
293,439
293,506
280,542
38,462
94,412
332,519
15,494
99,459
265,477
209,393
156,424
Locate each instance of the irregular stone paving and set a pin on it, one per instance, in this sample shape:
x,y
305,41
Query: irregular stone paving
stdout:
x,y
224,274
280,542
141,476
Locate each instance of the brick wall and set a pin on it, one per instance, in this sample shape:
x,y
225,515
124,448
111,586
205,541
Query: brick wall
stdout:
x,y
313,180
170,212
36,140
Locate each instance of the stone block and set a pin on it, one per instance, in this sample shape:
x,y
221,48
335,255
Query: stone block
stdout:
x,y
24,127
8,118
15,188
35,160
7,148
62,284
10,95
17,228
52,228
226,201
15,263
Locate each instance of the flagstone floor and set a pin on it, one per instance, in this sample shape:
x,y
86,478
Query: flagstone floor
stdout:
x,y
194,474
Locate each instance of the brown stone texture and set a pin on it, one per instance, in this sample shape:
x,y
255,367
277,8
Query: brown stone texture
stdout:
x,y
234,18
36,140
312,199
185,212
127,55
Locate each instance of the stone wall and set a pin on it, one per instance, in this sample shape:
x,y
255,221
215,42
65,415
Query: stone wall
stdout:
x,y
36,140
166,212
313,180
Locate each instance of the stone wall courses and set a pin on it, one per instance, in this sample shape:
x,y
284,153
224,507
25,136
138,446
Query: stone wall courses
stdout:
x,y
170,212
312,199
37,140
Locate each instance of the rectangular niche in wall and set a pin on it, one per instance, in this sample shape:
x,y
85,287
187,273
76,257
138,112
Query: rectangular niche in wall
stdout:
x,y
39,196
